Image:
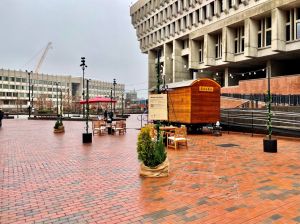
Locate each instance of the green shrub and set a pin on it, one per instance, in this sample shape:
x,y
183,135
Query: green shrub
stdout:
x,y
58,123
45,111
151,153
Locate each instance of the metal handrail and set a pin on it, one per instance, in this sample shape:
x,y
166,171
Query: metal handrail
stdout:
x,y
284,121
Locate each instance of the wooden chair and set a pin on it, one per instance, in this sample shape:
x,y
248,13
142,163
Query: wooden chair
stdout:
x,y
99,127
124,125
119,127
96,126
103,128
180,136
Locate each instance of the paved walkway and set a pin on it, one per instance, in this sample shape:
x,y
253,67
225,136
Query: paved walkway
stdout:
x,y
54,178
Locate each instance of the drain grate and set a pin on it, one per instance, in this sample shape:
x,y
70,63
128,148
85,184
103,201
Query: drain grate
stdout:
x,y
227,145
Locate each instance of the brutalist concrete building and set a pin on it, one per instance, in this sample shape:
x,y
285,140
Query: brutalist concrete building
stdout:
x,y
235,42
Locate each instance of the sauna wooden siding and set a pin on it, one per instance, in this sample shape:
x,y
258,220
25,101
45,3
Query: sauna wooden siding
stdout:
x,y
194,102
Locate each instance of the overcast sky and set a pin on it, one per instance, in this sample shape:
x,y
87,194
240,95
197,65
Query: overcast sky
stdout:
x,y
100,30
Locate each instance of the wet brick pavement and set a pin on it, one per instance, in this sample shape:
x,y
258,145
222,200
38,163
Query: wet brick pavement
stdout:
x,y
54,178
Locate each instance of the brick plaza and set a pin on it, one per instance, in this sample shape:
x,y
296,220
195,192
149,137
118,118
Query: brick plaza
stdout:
x,y
54,178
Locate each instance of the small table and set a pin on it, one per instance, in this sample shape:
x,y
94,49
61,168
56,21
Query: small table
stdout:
x,y
167,131
167,128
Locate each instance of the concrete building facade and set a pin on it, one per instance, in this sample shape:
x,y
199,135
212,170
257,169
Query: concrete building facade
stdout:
x,y
231,41
47,89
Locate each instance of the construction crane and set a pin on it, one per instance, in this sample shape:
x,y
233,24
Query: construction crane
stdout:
x,y
37,68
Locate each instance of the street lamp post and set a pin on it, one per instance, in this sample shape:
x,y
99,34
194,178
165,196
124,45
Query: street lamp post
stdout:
x,y
110,117
111,101
122,104
87,137
61,106
56,83
29,100
69,102
32,97
83,66
158,88
270,145
114,84
158,72
87,106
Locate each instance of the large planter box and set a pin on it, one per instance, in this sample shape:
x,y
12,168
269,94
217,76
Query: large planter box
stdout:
x,y
87,138
60,129
161,170
270,145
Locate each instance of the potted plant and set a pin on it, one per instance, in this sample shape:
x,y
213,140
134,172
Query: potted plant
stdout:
x,y
152,154
59,126
270,144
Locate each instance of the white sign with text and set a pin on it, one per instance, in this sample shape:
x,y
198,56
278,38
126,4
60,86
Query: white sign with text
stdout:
x,y
158,107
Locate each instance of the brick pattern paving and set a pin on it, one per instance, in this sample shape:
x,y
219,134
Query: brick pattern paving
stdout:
x,y
54,178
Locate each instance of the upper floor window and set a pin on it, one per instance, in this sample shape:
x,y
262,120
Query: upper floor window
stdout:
x,y
239,40
293,24
218,46
185,44
201,51
264,32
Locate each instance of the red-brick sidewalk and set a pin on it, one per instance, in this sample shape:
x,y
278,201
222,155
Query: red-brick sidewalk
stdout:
x,y
54,178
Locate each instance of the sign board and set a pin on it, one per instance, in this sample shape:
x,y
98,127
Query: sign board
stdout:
x,y
158,107
206,88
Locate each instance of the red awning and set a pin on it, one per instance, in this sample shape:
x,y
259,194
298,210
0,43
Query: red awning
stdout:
x,y
98,99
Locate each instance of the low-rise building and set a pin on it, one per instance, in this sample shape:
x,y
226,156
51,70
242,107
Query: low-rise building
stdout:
x,y
46,91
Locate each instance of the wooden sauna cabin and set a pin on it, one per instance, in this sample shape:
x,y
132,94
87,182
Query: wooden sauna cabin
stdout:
x,y
194,103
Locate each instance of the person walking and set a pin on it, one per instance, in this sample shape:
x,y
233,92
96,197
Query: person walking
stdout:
x,y
105,115
1,117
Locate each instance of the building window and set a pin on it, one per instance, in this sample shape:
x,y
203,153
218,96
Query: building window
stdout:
x,y
221,5
239,40
201,51
298,30
204,13
229,4
288,30
264,32
185,44
297,23
292,24
268,31
212,8
218,46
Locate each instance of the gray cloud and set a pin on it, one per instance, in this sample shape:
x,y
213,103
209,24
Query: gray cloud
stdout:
x,y
100,30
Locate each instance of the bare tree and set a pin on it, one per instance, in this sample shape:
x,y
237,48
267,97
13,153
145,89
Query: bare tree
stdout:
x,y
41,101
